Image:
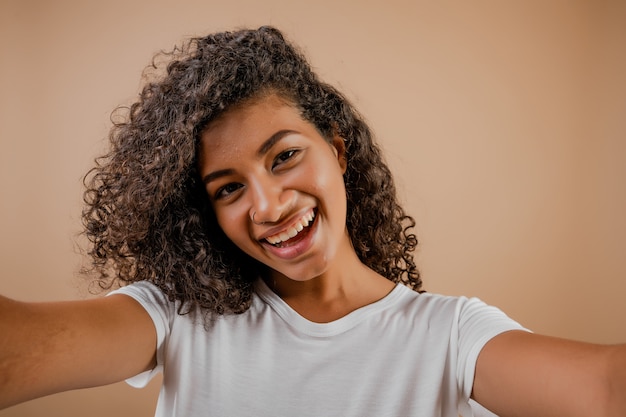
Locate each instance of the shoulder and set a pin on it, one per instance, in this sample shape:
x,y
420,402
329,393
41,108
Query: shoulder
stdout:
x,y
440,306
170,313
149,296
467,322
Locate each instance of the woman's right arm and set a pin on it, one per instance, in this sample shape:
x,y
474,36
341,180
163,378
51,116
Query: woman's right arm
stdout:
x,y
53,347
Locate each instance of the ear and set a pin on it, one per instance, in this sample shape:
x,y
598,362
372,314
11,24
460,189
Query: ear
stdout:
x,y
339,149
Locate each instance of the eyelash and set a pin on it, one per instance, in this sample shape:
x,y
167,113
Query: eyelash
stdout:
x,y
281,158
220,192
285,156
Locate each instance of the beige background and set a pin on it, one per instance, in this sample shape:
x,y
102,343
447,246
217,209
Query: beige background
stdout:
x,y
505,123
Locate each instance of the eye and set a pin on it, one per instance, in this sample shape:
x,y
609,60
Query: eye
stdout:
x,y
227,190
285,156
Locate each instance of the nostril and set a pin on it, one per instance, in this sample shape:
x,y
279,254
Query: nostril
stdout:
x,y
255,221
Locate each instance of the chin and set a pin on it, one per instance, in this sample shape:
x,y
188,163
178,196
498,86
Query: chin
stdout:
x,y
299,276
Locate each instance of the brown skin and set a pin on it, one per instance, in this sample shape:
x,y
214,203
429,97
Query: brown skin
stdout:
x,y
319,275
145,215
53,347
524,374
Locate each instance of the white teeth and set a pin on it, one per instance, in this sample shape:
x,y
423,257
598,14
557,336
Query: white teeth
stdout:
x,y
293,230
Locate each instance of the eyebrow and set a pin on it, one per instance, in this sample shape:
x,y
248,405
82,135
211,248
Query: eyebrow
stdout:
x,y
216,174
263,149
271,141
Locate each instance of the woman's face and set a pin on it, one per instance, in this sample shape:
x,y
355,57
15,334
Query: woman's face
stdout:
x,y
276,186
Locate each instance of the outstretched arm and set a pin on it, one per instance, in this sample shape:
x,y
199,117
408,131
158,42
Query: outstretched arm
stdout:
x,y
523,374
52,347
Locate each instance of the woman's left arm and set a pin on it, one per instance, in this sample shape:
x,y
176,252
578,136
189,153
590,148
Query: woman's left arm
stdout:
x,y
524,374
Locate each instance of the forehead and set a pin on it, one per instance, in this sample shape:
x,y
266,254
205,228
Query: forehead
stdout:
x,y
248,124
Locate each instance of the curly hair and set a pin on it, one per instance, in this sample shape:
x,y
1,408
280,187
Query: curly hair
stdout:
x,y
147,214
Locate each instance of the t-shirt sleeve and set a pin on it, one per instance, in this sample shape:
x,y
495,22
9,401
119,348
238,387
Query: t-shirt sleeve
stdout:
x,y
477,324
161,311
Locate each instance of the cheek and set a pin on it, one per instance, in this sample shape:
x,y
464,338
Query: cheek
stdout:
x,y
230,223
328,176
332,185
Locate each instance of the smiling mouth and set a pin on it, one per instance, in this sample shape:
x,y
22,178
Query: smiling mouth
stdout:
x,y
294,232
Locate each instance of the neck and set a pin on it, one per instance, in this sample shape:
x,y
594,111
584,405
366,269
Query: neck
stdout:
x,y
333,294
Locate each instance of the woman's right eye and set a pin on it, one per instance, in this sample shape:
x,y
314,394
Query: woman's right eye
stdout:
x,y
226,190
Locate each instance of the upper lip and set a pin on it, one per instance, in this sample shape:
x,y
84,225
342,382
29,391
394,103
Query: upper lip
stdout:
x,y
284,226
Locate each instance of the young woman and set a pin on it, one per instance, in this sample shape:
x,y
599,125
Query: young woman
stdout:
x,y
267,268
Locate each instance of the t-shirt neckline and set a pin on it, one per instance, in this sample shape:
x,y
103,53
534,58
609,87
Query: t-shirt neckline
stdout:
x,y
343,324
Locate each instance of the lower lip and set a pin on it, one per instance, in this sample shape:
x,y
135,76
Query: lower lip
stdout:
x,y
298,248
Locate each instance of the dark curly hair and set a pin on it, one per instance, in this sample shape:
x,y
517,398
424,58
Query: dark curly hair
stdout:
x,y
147,214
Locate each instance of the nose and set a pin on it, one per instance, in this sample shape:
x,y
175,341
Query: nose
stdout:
x,y
270,201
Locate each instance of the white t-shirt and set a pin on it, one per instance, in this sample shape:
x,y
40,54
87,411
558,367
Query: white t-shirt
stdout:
x,y
408,354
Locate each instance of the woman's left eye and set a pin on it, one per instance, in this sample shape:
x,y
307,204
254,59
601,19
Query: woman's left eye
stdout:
x,y
285,156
